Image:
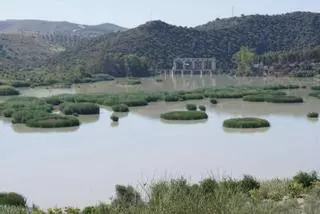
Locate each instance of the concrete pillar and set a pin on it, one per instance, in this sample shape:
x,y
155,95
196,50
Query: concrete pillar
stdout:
x,y
193,65
213,64
174,64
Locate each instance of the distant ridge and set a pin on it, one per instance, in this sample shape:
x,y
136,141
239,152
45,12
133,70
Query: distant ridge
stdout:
x,y
42,27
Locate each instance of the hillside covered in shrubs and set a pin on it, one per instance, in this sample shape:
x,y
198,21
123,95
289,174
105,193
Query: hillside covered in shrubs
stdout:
x,y
286,44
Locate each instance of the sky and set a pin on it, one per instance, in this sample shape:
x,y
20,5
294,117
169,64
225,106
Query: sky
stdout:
x,y
131,13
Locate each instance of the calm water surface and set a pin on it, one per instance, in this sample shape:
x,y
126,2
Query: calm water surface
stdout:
x,y
80,166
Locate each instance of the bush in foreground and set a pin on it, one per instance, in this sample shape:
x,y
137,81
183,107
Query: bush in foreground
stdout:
x,y
313,115
226,195
12,199
306,179
53,121
8,91
184,115
191,107
248,122
120,108
80,108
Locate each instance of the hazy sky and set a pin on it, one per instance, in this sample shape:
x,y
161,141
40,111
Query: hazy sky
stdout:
x,y
130,13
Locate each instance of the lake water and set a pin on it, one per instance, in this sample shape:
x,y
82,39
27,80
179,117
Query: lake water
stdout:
x,y
80,166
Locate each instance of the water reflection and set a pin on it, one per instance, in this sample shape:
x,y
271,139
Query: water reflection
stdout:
x,y
246,131
121,114
183,122
21,128
313,120
114,124
86,119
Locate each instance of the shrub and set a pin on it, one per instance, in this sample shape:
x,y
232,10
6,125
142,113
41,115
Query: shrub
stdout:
x,y
120,108
208,186
79,108
213,101
192,96
8,91
153,98
225,95
159,80
55,100
7,112
136,103
129,82
126,196
184,115
315,94
114,118
89,210
257,98
315,87
20,84
172,98
313,115
306,179
12,199
280,87
191,107
295,189
53,121
273,98
202,108
102,77
248,183
22,116
246,123
286,99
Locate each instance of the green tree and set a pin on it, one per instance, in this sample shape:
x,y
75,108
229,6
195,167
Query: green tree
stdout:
x,y
244,60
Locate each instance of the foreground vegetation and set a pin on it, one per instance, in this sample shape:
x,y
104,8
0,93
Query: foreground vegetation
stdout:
x,y
297,195
246,122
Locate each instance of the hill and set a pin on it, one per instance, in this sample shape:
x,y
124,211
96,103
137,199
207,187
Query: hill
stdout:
x,y
25,52
159,43
41,27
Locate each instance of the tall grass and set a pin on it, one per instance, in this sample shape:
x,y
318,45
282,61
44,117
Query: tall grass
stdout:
x,y
226,195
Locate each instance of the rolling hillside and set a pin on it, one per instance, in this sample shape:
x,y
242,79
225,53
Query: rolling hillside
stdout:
x,y
287,38
159,43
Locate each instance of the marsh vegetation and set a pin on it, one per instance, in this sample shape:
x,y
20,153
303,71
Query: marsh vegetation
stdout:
x,y
184,115
245,123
